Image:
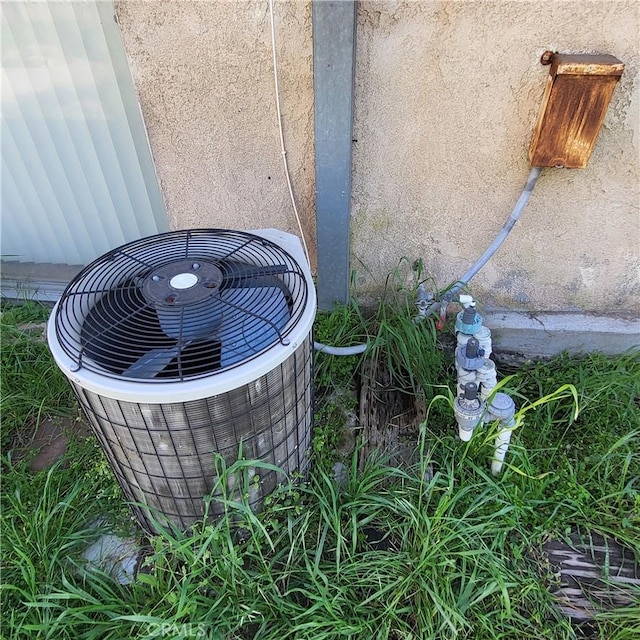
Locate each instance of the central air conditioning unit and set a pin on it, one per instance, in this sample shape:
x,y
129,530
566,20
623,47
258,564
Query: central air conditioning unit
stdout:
x,y
187,344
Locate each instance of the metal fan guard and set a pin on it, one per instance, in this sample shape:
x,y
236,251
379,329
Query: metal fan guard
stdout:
x,y
123,306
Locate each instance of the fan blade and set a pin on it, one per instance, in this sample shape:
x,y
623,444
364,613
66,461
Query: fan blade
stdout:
x,y
239,275
120,328
191,322
199,321
259,331
152,362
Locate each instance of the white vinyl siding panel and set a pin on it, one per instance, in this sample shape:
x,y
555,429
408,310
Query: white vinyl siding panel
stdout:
x,y
77,173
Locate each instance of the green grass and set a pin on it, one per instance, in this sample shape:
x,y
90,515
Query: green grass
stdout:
x,y
594,461
345,326
461,553
406,349
32,386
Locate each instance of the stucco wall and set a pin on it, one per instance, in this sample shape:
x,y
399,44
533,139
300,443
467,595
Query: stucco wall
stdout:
x,y
204,75
447,97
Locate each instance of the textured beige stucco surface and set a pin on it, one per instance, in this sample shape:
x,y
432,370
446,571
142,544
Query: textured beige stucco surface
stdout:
x,y
447,95
447,98
204,75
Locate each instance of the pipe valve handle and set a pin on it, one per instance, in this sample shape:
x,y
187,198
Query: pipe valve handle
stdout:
x,y
469,315
473,347
470,391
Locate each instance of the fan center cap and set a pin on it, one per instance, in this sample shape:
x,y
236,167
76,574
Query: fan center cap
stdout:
x,y
183,281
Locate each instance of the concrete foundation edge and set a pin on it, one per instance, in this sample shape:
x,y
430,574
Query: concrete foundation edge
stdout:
x,y
547,334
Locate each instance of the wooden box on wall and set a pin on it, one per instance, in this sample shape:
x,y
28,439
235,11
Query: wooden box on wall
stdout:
x,y
578,92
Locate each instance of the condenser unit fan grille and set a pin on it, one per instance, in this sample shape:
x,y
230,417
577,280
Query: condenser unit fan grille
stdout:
x,y
181,306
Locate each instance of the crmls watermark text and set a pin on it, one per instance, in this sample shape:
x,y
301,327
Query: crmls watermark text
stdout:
x,y
184,630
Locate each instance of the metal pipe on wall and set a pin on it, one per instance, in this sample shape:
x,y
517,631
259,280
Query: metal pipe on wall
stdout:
x,y
334,30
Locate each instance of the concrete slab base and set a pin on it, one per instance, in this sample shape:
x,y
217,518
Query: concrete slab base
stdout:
x,y
36,281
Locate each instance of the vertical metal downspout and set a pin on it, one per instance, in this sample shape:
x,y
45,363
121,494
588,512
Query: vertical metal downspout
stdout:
x,y
334,30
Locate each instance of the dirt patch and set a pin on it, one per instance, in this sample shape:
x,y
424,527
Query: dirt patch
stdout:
x,y
51,441
37,330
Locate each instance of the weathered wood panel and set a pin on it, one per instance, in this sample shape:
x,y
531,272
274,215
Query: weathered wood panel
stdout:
x,y
594,574
389,417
